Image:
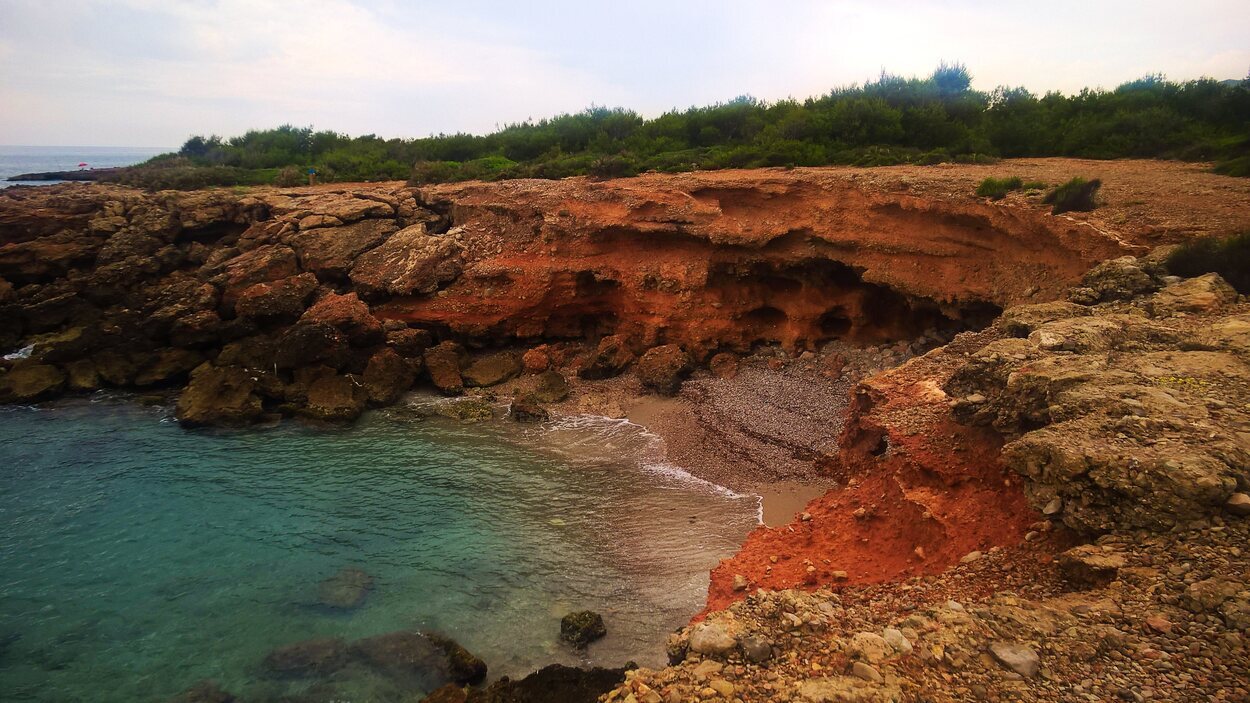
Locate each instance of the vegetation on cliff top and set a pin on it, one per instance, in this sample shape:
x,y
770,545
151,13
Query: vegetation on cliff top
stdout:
x,y
891,120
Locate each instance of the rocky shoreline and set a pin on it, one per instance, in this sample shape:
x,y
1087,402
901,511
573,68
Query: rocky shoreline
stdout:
x,y
830,327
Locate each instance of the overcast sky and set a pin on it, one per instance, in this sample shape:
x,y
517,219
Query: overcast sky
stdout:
x,y
152,72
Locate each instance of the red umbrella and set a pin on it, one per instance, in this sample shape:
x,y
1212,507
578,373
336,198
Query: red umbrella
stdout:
x,y
82,165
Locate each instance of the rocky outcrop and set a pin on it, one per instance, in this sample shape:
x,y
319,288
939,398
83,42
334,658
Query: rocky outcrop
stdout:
x,y
219,396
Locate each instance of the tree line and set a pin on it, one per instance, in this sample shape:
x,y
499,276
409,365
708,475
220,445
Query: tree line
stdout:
x,y
890,120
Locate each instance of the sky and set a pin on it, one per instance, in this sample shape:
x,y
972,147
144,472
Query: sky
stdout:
x,y
153,72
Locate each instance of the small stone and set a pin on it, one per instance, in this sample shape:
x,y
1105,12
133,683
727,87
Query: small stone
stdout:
x,y
840,576
869,647
970,557
757,648
806,517
1238,504
1159,624
740,582
896,640
865,672
1017,657
722,687
1053,507
711,638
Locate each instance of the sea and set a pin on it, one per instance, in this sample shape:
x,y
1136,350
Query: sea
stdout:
x,y
16,160
138,558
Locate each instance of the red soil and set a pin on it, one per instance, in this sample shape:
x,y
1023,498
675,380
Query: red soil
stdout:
x,y
921,492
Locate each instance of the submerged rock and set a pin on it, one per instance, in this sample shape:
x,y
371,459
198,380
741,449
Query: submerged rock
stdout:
x,y
467,410
428,657
204,692
555,683
526,408
346,589
581,628
315,657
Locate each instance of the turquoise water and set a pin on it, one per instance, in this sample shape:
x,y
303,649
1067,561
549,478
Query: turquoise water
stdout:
x,y
137,558
16,160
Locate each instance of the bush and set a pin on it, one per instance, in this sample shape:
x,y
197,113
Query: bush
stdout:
x,y
1035,185
1077,195
290,176
997,188
1229,257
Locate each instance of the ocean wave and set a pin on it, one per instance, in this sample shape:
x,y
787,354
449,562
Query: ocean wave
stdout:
x,y
616,436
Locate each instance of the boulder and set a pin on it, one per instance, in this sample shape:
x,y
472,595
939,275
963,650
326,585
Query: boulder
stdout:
x,y
346,589
442,363
219,396
1194,295
609,359
430,658
712,638
536,360
27,382
309,343
1090,566
335,398
349,315
410,343
554,683
550,387
581,628
492,370
1117,279
1020,658
388,376
662,369
167,365
315,657
1021,320
331,251
81,375
526,408
276,301
410,262
270,262
725,365
869,647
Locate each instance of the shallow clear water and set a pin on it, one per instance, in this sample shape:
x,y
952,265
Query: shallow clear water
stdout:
x,y
16,160
137,558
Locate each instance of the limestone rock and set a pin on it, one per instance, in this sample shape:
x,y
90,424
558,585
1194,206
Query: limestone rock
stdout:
x,y
408,263
281,300
869,647
1118,279
467,410
348,314
609,359
1019,658
713,639
271,262
335,398
1193,295
331,252
724,365
1238,504
551,387
1021,320
168,365
492,369
219,396
1090,566
309,343
442,363
526,408
757,648
581,628
388,376
662,369
28,382
410,343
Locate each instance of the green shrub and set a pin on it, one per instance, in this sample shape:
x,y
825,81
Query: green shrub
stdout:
x,y
290,176
1035,185
1229,257
997,188
1077,195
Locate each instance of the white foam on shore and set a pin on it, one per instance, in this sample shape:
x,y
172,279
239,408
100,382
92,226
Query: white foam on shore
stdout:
x,y
23,353
610,433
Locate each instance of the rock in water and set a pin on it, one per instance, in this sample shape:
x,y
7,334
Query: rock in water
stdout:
x,y
555,683
1017,657
551,387
431,659
29,382
581,628
662,369
346,589
204,692
388,376
442,363
219,396
526,408
308,658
